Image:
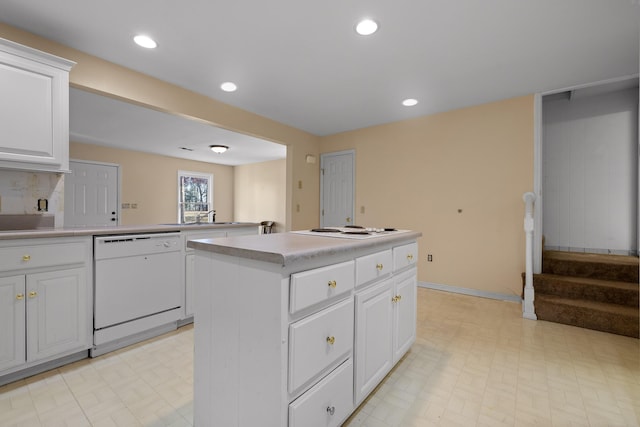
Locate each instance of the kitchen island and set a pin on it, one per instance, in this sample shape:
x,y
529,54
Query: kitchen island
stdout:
x,y
296,329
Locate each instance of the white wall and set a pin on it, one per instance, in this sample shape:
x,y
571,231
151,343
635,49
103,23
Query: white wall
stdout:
x,y
260,193
590,172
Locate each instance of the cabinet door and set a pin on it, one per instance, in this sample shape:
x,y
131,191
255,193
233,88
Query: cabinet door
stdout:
x,y
34,109
374,317
404,314
12,318
57,313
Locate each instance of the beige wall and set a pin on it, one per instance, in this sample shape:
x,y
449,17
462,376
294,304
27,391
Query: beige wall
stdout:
x,y
416,174
97,75
151,182
259,193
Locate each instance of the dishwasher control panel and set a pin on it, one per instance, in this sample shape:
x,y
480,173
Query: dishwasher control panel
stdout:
x,y
135,244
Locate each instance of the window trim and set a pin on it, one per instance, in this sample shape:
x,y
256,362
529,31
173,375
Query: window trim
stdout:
x,y
201,175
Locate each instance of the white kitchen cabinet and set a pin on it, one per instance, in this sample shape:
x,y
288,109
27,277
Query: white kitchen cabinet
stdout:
x,y
385,316
57,313
12,322
296,330
404,312
374,337
46,299
34,109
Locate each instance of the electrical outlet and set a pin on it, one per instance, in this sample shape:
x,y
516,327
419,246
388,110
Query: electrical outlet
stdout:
x,y
134,206
126,205
430,258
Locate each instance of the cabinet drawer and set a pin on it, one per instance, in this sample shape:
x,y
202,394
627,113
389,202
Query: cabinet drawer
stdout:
x,y
373,266
326,404
318,341
34,256
404,256
313,286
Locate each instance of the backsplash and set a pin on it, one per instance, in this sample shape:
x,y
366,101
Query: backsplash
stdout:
x,y
20,192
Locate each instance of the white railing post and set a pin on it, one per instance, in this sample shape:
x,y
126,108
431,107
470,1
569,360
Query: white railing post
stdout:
x,y
528,310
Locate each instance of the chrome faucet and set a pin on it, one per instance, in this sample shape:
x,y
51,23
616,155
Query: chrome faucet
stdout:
x,y
213,218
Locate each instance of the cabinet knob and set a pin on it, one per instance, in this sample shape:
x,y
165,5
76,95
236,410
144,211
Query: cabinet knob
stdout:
x,y
379,267
409,257
332,283
397,298
331,340
33,294
331,410
20,296
26,257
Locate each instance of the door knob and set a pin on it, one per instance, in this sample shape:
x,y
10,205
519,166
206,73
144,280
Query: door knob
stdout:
x,y
33,294
20,297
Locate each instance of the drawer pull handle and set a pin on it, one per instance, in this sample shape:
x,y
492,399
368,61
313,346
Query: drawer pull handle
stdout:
x,y
33,294
331,340
332,283
331,410
20,297
379,267
26,257
410,257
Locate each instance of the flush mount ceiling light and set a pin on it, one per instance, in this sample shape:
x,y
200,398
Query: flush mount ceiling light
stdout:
x,y
228,87
366,27
410,102
145,41
218,148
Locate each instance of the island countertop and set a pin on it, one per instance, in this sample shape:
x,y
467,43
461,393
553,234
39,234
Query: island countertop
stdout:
x,y
293,247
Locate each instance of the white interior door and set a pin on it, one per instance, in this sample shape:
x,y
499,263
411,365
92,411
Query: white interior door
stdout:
x,y
91,194
336,189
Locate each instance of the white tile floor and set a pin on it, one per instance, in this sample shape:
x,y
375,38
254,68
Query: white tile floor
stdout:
x,y
476,362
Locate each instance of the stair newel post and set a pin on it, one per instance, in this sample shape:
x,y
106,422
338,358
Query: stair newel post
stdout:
x,y
528,311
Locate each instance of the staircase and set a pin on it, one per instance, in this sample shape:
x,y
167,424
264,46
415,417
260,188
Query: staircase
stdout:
x,y
591,291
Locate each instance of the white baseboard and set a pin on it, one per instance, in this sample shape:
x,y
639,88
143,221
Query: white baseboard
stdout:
x,y
471,292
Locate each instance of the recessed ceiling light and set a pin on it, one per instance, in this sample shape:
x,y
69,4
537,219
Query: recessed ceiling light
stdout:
x,y
366,27
410,102
218,148
145,41
228,87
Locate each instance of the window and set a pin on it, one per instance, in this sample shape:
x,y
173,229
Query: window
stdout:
x,y
195,196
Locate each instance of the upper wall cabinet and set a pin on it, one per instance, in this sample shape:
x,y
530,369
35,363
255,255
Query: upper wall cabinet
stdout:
x,y
34,109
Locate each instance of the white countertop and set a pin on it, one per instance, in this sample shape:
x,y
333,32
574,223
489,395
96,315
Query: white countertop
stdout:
x,y
288,248
118,229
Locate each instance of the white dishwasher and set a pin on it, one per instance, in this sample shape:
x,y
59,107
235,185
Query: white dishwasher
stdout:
x,y
138,288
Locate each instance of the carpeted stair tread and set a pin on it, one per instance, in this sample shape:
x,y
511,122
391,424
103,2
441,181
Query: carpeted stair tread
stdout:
x,y
608,291
599,266
613,318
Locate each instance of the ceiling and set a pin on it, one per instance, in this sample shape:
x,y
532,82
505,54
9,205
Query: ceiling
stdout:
x,y
95,119
302,64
